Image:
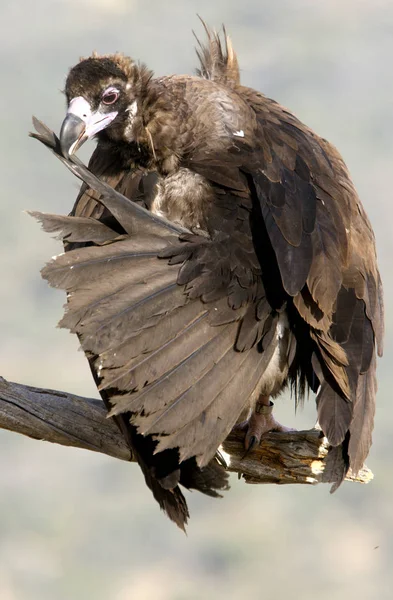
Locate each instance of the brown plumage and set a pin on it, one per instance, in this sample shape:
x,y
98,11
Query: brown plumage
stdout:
x,y
255,266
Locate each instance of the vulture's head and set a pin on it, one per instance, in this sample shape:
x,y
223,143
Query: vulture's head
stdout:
x,y
104,95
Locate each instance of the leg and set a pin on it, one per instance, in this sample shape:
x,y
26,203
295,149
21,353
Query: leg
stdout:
x,y
262,421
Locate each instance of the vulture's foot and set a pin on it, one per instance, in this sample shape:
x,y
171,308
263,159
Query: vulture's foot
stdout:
x,y
261,421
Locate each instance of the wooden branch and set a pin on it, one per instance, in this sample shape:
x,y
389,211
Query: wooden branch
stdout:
x,y
296,457
62,418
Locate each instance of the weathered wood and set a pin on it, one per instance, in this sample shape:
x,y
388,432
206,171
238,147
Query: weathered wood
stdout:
x,y
62,418
295,457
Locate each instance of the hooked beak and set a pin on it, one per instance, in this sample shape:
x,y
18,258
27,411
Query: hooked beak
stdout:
x,y
81,124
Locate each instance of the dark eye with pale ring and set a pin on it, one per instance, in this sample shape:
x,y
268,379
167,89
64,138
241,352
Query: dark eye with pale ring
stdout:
x,y
110,96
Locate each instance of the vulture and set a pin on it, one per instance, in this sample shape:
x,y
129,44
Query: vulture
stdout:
x,y
216,254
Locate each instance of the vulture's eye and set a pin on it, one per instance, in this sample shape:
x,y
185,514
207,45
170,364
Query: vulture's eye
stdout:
x,y
110,96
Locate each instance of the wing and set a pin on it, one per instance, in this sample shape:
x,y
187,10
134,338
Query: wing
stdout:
x,y
169,321
317,254
134,183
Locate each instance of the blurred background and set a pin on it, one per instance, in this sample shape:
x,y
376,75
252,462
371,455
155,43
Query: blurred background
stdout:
x,y
78,525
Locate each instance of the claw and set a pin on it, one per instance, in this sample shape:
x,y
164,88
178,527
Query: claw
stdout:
x,y
261,421
250,443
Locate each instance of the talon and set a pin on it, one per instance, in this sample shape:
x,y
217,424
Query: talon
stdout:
x,y
261,421
250,443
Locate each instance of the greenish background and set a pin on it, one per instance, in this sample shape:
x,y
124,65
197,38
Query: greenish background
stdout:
x,y
74,525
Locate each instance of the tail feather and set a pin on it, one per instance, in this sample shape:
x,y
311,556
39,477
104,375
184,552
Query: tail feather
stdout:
x,y
337,465
347,420
363,420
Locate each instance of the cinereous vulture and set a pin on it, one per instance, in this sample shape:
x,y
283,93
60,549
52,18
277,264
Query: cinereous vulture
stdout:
x,y
216,253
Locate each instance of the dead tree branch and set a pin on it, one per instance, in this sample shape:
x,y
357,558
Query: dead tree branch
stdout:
x,y
69,420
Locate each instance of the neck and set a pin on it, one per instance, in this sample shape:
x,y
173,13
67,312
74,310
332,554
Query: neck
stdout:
x,y
149,132
156,126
